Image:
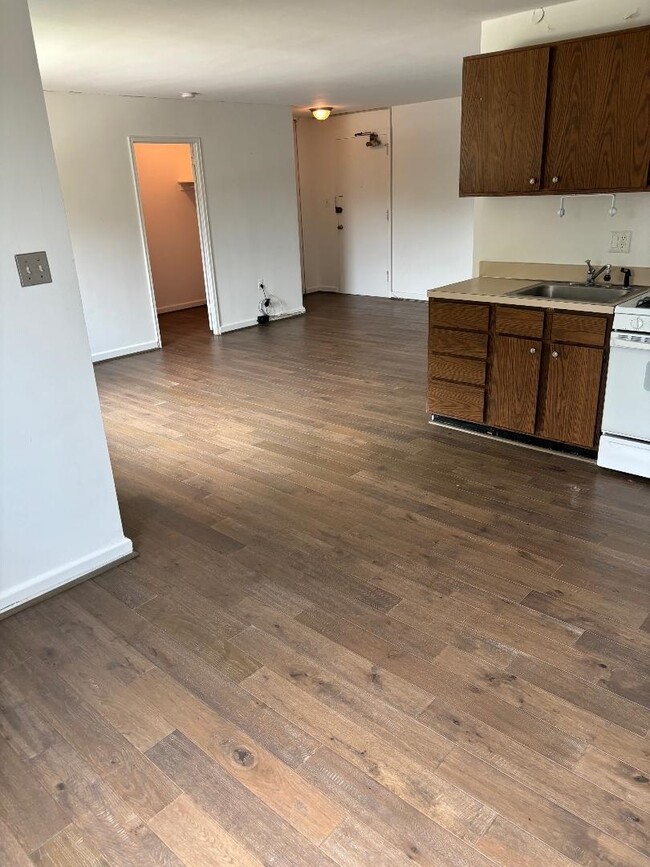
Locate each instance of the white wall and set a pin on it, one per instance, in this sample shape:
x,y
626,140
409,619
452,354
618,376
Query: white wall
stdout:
x,y
248,158
523,229
315,150
432,225
316,142
563,21
58,510
529,230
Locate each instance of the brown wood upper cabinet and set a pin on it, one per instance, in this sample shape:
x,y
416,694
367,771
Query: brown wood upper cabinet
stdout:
x,y
598,115
502,127
573,116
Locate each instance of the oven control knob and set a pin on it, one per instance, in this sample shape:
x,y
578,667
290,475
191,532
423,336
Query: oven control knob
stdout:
x,y
639,323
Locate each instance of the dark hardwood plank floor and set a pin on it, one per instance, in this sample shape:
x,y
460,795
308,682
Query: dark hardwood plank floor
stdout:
x,y
350,638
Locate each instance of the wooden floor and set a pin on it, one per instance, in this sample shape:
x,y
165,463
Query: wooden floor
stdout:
x,y
350,638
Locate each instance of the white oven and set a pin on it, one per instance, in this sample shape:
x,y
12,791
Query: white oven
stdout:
x,y
625,443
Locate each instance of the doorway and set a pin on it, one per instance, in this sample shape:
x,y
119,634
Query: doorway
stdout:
x,y
362,166
175,232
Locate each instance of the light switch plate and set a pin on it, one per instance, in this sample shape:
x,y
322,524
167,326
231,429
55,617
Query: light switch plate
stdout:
x,y
33,268
620,242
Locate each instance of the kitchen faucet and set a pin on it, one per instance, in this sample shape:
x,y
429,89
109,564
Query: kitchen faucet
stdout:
x,y
593,274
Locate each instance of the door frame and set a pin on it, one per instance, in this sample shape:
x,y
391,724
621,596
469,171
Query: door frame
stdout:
x,y
205,236
301,239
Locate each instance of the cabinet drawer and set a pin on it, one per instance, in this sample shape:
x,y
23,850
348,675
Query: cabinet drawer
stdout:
x,y
471,344
519,321
459,314
579,328
464,402
469,370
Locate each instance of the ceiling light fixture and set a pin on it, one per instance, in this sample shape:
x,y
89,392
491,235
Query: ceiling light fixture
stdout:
x,y
189,94
321,113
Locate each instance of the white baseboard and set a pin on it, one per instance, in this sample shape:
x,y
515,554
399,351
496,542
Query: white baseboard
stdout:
x,y
380,294
246,323
298,311
235,326
185,305
414,296
125,350
45,583
310,289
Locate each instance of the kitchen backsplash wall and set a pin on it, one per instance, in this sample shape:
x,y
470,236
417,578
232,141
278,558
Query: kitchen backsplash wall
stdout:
x,y
529,229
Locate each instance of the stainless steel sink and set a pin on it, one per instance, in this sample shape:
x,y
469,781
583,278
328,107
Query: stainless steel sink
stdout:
x,y
576,292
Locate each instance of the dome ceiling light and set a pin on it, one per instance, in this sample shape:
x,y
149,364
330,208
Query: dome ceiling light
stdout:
x,y
321,113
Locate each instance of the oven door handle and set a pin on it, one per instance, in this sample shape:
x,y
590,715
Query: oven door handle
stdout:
x,y
630,340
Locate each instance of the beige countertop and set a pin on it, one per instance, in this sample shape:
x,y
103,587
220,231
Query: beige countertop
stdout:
x,y
493,290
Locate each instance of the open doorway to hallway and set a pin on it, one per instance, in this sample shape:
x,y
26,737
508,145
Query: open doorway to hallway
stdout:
x,y
177,245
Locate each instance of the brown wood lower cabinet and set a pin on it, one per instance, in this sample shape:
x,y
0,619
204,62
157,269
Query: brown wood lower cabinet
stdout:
x,y
527,370
457,401
571,393
514,380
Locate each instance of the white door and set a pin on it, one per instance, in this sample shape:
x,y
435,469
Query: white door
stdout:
x,y
363,192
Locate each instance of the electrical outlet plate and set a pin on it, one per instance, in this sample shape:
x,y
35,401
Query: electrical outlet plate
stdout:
x,y
33,268
620,242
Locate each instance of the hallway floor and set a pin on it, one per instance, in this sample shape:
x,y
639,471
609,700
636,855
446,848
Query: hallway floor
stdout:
x,y
349,638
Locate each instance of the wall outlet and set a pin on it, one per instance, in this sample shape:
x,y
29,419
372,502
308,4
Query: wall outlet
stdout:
x,y
620,242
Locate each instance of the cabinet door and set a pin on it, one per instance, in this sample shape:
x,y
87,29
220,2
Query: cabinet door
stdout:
x,y
502,127
514,380
571,394
598,119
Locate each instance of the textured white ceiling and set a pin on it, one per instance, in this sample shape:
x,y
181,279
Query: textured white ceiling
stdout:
x,y
346,53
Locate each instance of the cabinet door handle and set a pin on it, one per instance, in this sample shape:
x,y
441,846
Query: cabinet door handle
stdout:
x,y
532,350
555,179
532,181
554,354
